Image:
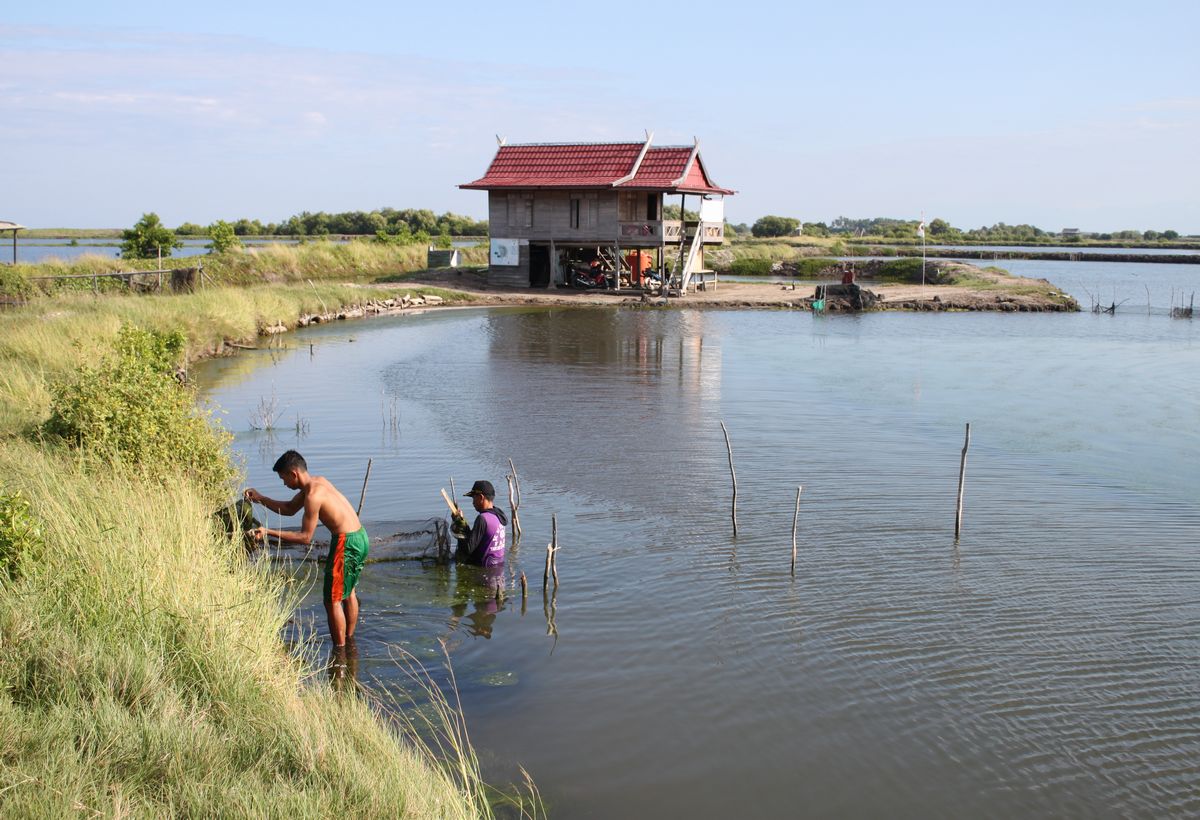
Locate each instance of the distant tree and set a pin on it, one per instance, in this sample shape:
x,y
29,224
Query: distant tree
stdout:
x,y
443,239
190,229
1150,236
775,226
939,227
1171,235
249,227
147,238
223,237
814,229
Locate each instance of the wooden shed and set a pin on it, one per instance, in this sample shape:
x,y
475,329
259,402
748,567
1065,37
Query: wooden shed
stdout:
x,y
554,208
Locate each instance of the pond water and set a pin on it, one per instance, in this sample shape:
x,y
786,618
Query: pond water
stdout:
x,y
1046,665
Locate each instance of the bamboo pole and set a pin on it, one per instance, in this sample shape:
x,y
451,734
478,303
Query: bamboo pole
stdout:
x,y
363,495
733,476
546,571
453,492
962,474
795,524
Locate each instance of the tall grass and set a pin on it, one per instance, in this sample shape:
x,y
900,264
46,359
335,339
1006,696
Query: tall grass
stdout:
x,y
142,673
347,261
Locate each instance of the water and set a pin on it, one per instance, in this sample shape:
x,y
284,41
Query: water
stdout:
x,y
1045,666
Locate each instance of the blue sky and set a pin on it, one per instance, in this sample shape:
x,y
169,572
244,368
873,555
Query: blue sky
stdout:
x,y
1059,114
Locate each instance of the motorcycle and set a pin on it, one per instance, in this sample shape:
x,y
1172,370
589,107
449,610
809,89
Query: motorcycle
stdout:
x,y
589,278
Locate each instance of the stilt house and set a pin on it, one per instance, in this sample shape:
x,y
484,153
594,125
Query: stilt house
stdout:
x,y
557,208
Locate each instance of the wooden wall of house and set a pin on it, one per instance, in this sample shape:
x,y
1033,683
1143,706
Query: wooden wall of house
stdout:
x,y
511,276
552,216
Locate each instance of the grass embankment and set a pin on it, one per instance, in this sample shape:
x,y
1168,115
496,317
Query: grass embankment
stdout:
x,y
142,670
348,261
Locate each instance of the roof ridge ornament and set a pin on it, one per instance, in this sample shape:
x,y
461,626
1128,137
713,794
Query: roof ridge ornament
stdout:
x,y
637,163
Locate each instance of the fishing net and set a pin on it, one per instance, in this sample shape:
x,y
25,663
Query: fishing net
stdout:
x,y
402,540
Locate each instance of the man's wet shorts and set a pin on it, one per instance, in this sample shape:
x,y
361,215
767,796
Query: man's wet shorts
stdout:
x,y
347,554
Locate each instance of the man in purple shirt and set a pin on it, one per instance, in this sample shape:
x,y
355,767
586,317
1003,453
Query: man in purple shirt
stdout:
x,y
483,544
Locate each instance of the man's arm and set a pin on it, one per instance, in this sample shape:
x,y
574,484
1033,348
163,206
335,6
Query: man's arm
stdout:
x,y
308,525
282,507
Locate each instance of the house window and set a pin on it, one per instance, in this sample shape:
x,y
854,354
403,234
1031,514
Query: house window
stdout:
x,y
576,208
593,214
652,207
528,211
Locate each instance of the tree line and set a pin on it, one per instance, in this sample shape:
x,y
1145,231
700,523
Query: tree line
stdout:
x,y
939,230
390,221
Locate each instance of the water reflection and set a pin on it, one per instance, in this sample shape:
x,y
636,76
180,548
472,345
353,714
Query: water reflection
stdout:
x,y
482,589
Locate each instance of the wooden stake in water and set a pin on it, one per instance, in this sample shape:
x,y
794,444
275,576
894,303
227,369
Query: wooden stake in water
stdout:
x,y
363,495
554,548
962,474
515,501
733,476
795,524
512,511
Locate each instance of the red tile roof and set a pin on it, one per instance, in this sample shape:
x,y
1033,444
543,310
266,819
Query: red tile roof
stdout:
x,y
598,165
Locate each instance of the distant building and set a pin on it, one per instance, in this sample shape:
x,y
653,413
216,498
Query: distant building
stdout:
x,y
14,227
557,207
1068,233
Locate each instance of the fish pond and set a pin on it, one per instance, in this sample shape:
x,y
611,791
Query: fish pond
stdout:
x,y
1047,664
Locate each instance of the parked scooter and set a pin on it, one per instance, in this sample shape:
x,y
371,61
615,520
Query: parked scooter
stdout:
x,y
589,278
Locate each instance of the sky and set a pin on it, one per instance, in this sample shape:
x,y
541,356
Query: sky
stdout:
x,y
1057,114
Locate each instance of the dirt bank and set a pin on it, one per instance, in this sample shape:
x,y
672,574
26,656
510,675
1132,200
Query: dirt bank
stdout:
x,y
990,290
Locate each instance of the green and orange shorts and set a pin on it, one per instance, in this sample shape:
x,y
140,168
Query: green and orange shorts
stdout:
x,y
347,554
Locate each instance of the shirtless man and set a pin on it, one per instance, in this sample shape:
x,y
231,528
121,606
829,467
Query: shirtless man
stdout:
x,y
320,500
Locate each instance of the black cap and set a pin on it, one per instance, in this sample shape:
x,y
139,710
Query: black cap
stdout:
x,y
483,488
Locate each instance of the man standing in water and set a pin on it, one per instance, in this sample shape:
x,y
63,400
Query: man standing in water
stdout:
x,y
348,544
483,544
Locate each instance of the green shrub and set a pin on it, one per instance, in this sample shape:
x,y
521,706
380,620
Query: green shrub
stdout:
x,y
13,282
908,270
812,267
751,267
130,409
20,536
